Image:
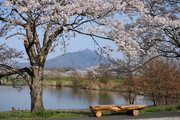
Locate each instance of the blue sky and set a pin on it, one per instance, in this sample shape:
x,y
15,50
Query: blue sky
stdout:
x,y
81,42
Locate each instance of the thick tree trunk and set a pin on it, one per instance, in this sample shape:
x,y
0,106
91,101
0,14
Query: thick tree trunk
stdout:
x,y
37,89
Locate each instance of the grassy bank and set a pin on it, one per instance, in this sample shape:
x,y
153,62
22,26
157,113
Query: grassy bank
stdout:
x,y
59,81
113,83
79,113
39,114
165,108
69,81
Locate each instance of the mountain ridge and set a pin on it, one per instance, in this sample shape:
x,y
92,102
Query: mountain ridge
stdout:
x,y
80,60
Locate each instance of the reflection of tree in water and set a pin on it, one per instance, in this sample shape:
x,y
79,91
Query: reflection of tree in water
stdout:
x,y
69,93
129,97
50,89
87,95
93,96
138,100
53,91
105,99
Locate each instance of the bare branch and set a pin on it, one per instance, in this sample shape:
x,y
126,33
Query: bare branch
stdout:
x,y
46,32
133,68
16,34
12,71
11,21
20,15
91,34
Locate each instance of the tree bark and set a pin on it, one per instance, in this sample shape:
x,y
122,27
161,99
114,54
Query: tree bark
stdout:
x,y
117,108
36,89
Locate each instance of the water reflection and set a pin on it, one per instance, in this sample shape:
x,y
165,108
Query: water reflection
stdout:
x,y
105,99
62,98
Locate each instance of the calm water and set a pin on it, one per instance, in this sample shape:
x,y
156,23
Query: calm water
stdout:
x,y
62,98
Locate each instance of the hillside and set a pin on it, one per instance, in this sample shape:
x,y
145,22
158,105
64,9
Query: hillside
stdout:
x,y
80,60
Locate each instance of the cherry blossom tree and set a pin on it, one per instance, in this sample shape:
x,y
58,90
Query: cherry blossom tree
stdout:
x,y
8,56
158,28
154,32
43,24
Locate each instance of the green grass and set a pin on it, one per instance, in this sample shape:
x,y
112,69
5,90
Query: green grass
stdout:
x,y
77,113
10,82
39,114
109,113
168,108
69,81
118,80
65,81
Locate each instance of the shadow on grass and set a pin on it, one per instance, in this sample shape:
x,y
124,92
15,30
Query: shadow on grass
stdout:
x,y
80,113
111,113
89,114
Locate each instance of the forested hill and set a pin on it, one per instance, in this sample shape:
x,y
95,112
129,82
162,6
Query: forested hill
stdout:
x,y
80,60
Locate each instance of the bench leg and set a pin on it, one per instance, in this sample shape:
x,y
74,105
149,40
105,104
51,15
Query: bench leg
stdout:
x,y
133,112
98,113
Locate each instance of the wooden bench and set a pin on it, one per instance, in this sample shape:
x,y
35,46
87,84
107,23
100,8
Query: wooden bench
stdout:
x,y
131,109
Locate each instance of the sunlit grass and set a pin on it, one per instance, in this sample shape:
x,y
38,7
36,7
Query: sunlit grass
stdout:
x,y
74,113
118,80
65,81
168,108
39,114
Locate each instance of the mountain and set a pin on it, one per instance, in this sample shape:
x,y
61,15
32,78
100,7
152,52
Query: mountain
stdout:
x,y
80,60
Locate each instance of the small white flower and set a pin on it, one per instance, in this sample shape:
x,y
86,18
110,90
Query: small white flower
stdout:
x,y
65,28
6,3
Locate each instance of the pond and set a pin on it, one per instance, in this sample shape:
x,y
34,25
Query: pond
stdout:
x,y
63,98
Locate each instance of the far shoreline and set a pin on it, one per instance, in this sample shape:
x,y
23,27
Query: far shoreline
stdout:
x,y
80,87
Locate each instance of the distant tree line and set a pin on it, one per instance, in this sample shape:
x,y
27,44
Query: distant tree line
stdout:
x,y
61,69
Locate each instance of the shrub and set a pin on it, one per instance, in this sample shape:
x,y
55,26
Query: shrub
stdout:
x,y
76,78
103,80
